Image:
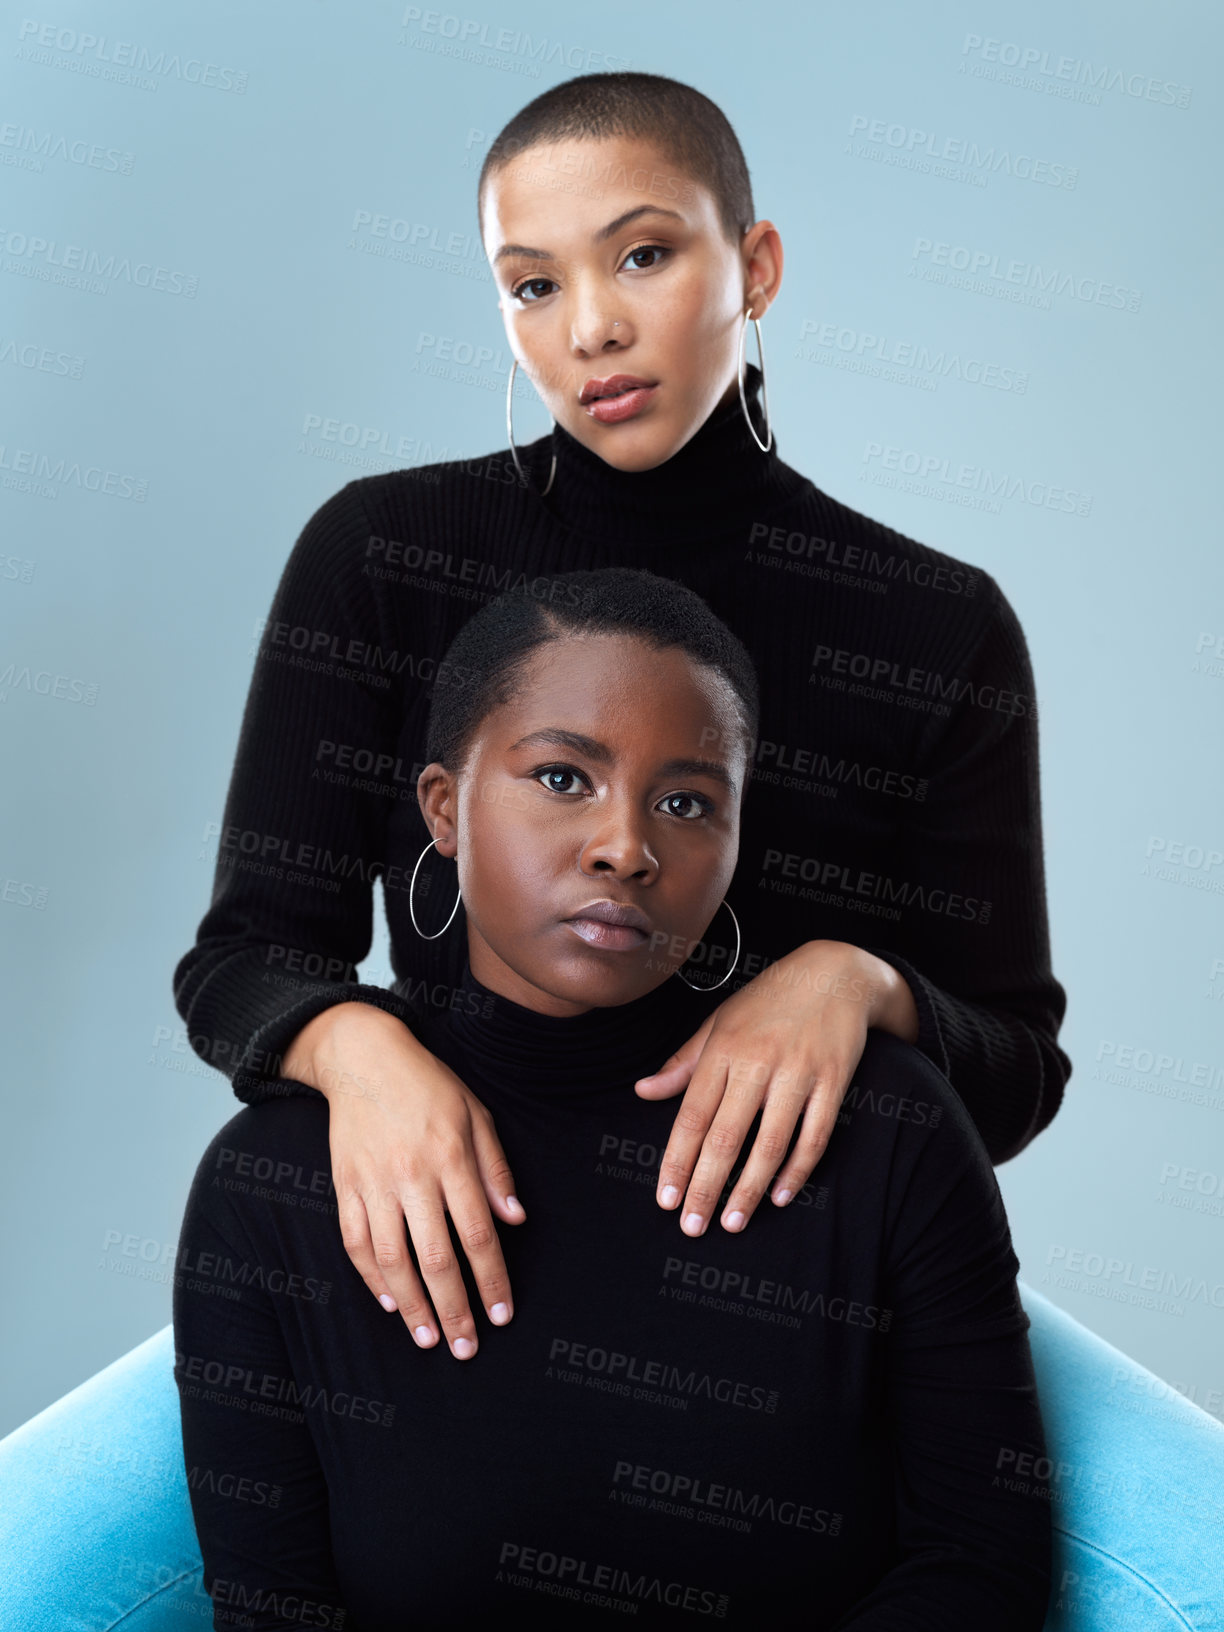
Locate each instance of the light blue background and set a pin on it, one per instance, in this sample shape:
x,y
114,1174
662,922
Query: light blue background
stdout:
x,y
208,400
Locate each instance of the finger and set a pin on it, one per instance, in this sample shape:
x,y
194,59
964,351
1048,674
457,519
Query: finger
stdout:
x,y
785,1104
494,1171
675,1073
469,1211
747,1082
439,1269
819,1120
697,1110
402,1291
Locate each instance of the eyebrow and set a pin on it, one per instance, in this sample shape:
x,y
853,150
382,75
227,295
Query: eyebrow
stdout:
x,y
556,737
597,237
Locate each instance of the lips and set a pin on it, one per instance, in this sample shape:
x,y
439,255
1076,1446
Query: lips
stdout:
x,y
611,925
613,912
615,386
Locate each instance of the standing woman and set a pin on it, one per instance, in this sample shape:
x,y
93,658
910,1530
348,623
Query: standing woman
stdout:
x,y
890,871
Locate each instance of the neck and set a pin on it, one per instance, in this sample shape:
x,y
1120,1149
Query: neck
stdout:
x,y
718,484
510,1048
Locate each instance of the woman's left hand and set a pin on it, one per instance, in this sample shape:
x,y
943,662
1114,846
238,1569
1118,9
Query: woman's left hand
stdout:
x,y
789,1041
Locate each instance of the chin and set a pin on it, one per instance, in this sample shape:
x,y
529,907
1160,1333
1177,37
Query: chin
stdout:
x,y
652,446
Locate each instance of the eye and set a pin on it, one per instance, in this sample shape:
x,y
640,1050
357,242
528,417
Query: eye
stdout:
x,y
518,291
705,807
647,249
562,772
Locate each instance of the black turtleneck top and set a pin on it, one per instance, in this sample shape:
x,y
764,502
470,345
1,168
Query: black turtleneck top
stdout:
x,y
894,801
816,1420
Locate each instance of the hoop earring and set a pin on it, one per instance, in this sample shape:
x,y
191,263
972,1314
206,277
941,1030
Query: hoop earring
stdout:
x,y
412,910
713,987
510,434
768,443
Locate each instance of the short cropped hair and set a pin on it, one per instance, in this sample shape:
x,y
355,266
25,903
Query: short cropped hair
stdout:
x,y
485,664
688,129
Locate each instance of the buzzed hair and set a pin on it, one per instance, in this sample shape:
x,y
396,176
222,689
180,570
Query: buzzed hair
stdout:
x,y
689,130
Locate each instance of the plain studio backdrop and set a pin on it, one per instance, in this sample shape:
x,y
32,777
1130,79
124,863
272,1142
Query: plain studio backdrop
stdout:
x,y
997,332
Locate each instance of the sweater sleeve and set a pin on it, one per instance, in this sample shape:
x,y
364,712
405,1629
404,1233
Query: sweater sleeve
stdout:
x,y
299,847
974,1538
989,1007
258,1491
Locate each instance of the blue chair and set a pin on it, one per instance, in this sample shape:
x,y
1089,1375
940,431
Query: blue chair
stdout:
x,y
96,1530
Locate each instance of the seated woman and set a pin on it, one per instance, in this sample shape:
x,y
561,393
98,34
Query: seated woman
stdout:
x,y
815,1417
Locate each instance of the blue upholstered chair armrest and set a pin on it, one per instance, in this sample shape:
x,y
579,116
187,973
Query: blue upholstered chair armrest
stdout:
x,y
95,1522
1136,1485
96,1530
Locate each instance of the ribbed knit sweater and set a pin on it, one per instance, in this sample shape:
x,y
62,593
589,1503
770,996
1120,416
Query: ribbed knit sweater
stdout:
x,y
810,1423
894,798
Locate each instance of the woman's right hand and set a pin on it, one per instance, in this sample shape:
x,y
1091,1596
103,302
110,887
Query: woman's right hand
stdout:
x,y
410,1142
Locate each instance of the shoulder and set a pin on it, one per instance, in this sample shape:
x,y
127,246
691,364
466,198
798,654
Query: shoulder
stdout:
x,y
454,491
277,1147
902,1118
903,559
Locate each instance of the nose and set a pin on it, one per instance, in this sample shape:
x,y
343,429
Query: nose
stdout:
x,y
619,845
594,328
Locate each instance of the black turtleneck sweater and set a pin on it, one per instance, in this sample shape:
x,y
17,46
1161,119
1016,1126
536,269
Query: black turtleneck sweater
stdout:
x,y
817,1421
894,801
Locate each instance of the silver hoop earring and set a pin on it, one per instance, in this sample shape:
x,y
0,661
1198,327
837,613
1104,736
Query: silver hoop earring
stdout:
x,y
713,987
510,434
412,909
768,442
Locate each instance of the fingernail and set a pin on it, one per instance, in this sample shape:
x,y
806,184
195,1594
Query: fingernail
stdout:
x,y
670,1195
514,1204
733,1221
499,1314
464,1348
388,1302
783,1196
692,1224
423,1335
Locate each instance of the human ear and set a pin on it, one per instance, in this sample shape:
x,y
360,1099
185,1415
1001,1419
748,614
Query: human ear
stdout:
x,y
437,796
761,249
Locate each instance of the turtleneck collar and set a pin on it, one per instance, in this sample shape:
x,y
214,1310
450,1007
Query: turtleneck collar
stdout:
x,y
717,484
549,1058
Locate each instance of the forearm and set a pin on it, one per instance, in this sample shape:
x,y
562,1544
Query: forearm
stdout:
x,y
1004,1061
